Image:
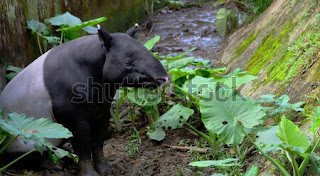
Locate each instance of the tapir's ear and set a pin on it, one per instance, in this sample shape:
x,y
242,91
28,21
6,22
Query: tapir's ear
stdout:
x,y
133,30
104,37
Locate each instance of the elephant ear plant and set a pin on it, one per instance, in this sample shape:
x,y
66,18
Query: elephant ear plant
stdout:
x,y
32,131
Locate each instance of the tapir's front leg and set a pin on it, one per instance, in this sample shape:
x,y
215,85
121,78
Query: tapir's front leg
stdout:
x,y
81,143
99,134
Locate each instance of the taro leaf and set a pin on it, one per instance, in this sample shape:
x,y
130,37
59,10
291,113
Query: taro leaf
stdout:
x,y
150,43
29,127
202,62
235,81
173,119
297,106
144,97
217,163
156,134
82,25
38,130
90,29
253,171
65,19
266,98
52,40
267,140
14,71
315,163
178,73
38,27
221,22
180,63
225,111
56,153
316,120
292,138
180,55
197,84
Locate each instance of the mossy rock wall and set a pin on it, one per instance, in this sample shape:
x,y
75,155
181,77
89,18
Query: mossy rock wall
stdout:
x,y
282,47
19,47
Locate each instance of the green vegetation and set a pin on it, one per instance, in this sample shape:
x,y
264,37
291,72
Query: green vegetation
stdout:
x,y
35,132
69,26
200,94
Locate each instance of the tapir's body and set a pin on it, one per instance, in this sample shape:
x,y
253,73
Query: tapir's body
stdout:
x,y
74,83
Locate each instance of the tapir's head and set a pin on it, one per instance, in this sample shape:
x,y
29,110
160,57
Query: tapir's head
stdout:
x,y
128,62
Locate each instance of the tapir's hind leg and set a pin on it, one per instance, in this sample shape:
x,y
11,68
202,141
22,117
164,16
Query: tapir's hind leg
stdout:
x,y
99,134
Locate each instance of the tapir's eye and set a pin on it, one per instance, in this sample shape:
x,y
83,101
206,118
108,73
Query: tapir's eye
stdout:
x,y
128,62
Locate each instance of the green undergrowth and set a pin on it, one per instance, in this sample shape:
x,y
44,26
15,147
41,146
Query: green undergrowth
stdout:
x,y
301,55
269,48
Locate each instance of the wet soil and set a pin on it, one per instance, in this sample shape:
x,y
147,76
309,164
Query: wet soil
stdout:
x,y
180,30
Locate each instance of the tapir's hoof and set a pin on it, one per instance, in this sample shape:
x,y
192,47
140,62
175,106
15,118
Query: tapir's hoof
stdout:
x,y
103,168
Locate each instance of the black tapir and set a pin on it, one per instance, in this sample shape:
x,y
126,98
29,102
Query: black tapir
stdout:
x,y
74,83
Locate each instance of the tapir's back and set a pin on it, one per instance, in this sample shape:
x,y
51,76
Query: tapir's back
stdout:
x,y
26,93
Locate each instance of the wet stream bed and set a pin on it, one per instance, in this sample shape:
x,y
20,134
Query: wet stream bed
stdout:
x,y
181,30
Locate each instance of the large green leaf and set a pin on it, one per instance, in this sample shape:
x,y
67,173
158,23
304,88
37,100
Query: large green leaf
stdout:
x,y
38,130
82,25
150,43
268,141
223,110
65,19
181,62
221,22
236,81
196,85
174,118
292,138
20,124
217,163
38,27
144,97
178,73
316,120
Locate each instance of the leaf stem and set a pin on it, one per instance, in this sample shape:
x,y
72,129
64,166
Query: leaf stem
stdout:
x,y
62,35
273,161
38,40
305,162
8,144
17,159
211,141
4,138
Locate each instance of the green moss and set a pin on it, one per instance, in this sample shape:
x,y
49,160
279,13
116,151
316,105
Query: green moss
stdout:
x,y
269,48
245,44
299,56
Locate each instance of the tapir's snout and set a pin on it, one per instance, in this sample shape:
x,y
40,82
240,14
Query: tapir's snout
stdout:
x,y
162,80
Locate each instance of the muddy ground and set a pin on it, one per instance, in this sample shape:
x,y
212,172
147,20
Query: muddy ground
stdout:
x,y
179,30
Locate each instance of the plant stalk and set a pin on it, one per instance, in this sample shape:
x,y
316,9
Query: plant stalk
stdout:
x,y
273,161
210,141
38,40
17,159
305,162
8,144
4,138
